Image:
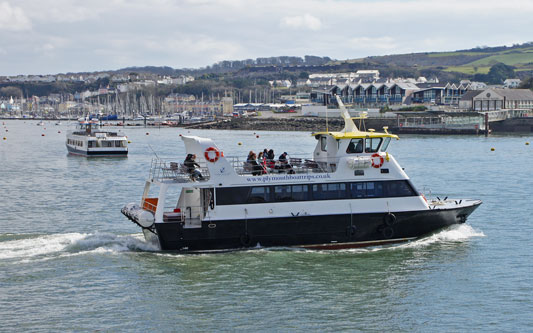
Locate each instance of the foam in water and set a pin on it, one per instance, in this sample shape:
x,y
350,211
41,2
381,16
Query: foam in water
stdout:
x,y
57,245
456,233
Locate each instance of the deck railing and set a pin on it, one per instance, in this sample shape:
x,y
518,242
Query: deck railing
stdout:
x,y
162,169
295,164
170,170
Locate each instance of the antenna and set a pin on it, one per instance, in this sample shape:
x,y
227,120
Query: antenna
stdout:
x,y
153,151
327,129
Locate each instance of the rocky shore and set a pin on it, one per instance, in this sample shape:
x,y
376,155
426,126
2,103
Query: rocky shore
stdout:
x,y
287,124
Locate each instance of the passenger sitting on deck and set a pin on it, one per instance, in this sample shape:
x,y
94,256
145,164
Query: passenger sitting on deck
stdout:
x,y
256,168
261,159
284,162
191,165
270,158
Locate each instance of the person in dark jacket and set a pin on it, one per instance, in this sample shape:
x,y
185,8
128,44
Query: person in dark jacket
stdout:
x,y
284,162
270,158
191,165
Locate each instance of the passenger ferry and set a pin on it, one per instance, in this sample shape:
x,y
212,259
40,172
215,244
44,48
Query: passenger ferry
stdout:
x,y
89,140
350,193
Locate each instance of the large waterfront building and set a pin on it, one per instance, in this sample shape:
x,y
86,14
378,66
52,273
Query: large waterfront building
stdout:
x,y
497,99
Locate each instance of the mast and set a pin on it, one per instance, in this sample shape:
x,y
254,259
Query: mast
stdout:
x,y
349,125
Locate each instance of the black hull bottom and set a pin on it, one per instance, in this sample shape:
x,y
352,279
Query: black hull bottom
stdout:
x,y
96,153
313,232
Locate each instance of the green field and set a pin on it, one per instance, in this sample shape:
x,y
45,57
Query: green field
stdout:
x,y
522,59
468,69
451,54
511,59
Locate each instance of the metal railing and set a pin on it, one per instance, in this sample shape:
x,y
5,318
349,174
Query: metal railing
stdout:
x,y
294,165
165,170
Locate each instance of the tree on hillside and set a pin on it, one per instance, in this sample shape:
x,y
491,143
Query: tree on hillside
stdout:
x,y
10,91
497,74
527,83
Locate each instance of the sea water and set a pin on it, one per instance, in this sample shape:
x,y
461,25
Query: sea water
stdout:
x,y
69,261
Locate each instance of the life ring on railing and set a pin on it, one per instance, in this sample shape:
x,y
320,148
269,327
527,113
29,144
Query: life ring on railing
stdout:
x,y
381,160
208,157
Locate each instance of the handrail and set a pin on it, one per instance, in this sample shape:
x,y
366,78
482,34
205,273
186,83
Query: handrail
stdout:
x,y
298,164
165,170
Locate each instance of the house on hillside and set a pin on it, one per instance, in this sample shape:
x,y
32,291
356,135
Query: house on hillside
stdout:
x,y
512,83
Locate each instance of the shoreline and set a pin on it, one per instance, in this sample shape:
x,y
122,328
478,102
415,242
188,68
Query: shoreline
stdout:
x,y
313,124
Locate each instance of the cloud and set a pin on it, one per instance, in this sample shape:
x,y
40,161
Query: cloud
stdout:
x,y
305,22
13,18
110,34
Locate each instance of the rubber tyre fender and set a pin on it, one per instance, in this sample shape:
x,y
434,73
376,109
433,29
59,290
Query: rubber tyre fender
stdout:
x,y
389,219
387,232
246,240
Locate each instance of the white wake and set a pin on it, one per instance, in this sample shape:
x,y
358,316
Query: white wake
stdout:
x,y
58,245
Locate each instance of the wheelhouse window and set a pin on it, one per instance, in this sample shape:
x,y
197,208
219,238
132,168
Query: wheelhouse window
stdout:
x,y
323,143
385,144
372,145
355,146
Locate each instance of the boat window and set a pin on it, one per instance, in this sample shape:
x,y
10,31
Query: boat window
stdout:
x,y
323,143
90,144
372,145
374,190
300,192
232,196
399,188
259,194
358,190
355,146
385,144
282,193
329,191
118,143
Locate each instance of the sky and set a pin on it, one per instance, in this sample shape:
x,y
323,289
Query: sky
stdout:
x,y
60,36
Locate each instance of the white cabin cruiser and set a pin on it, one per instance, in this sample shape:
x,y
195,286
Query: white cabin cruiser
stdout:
x,y
350,193
89,140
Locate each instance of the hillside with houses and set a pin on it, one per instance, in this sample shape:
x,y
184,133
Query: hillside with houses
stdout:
x,y
292,85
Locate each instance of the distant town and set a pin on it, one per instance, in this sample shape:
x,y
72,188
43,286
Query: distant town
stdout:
x,y
278,85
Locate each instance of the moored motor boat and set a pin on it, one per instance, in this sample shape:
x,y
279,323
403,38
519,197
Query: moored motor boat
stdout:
x,y
89,140
350,193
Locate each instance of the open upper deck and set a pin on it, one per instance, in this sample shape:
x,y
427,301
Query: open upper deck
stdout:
x,y
170,170
336,153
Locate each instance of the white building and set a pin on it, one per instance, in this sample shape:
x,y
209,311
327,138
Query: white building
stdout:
x,y
512,83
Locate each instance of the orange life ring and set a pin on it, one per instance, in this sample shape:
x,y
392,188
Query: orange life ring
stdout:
x,y
208,157
381,160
